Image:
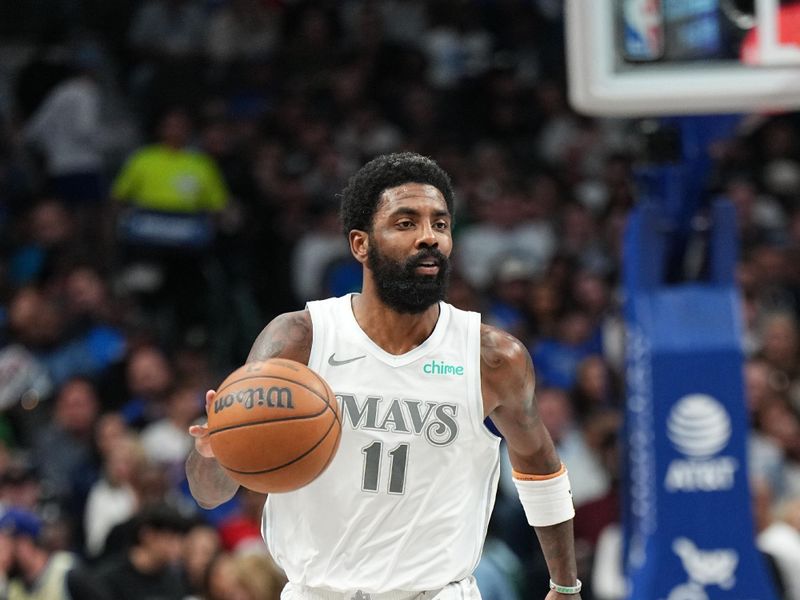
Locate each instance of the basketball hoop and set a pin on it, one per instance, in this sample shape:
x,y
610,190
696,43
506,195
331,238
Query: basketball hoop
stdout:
x,y
605,80
776,38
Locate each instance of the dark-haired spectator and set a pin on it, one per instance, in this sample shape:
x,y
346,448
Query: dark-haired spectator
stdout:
x,y
544,304
149,379
202,544
150,567
595,388
63,448
43,326
48,236
20,487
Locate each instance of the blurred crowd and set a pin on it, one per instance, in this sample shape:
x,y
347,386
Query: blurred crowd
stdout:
x,y
169,172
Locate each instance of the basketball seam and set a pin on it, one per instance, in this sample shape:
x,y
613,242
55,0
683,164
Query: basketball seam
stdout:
x,y
327,387
294,381
336,446
294,460
263,421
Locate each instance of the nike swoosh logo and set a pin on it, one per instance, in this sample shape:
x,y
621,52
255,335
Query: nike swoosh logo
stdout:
x,y
338,363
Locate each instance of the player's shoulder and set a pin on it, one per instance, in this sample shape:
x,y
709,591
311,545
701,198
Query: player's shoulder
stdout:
x,y
289,335
506,367
499,348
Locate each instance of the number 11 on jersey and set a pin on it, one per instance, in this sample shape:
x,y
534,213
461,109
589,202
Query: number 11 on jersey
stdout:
x,y
373,457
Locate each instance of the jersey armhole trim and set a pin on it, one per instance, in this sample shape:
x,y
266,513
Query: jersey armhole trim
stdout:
x,y
317,342
474,353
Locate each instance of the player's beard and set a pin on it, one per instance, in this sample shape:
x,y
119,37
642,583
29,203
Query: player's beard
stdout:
x,y
400,287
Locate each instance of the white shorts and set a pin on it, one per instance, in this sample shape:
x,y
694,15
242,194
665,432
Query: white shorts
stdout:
x,y
466,589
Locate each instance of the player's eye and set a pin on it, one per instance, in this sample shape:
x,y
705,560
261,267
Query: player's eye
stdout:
x,y
442,225
405,224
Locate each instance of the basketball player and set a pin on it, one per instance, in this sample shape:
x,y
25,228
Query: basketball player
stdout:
x,y
401,512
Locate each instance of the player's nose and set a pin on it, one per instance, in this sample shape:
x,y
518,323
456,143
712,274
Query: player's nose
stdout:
x,y
426,237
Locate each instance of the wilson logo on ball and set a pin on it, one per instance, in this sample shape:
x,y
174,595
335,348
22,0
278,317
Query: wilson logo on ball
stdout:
x,y
273,397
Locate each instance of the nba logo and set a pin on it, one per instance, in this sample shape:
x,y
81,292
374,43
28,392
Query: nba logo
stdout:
x,y
643,28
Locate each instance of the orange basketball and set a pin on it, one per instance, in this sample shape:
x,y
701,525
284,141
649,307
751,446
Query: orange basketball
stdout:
x,y
274,425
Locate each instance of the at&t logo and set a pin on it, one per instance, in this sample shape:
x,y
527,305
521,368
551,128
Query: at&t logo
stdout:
x,y
699,427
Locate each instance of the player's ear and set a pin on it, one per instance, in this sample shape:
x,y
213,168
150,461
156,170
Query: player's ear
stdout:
x,y
359,244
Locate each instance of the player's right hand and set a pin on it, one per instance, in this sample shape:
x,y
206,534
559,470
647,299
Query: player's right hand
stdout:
x,y
202,441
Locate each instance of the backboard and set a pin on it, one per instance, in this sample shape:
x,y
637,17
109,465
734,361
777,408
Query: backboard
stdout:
x,y
672,57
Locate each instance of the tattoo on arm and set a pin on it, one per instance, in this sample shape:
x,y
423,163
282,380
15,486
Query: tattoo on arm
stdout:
x,y
289,336
209,484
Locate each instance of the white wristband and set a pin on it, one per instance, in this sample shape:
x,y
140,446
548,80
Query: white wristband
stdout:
x,y
566,589
546,499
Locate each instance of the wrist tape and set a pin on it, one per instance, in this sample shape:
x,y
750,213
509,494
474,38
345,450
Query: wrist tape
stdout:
x,y
546,499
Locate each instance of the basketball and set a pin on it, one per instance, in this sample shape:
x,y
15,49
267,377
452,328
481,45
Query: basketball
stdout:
x,y
274,425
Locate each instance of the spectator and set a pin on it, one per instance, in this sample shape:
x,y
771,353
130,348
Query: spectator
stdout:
x,y
544,304
67,129
49,236
780,347
595,388
149,378
222,581
35,573
316,251
201,546
258,577
42,325
20,487
166,441
63,448
149,568
170,196
112,499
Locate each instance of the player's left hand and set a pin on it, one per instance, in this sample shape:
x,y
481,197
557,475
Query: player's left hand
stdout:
x,y
202,441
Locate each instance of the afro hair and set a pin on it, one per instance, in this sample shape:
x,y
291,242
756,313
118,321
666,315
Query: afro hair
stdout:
x,y
361,196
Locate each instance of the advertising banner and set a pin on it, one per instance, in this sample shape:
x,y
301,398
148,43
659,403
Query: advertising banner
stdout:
x,y
687,521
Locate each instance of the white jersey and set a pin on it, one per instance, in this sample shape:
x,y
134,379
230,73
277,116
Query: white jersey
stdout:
x,y
405,503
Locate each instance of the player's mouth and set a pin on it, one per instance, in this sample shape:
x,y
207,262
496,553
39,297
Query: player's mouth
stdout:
x,y
427,266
